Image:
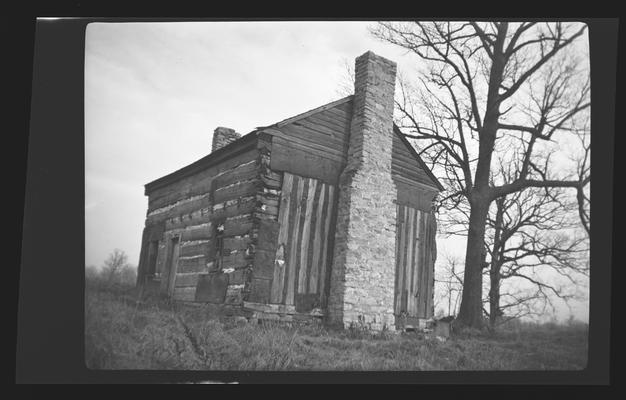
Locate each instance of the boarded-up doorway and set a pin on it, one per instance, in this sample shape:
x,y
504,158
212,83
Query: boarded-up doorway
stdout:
x,y
301,270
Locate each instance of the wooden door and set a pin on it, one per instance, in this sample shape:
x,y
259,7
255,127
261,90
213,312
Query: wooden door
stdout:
x,y
305,235
172,264
415,245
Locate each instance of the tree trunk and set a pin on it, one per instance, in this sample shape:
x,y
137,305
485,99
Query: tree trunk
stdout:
x,y
494,295
480,197
470,313
496,265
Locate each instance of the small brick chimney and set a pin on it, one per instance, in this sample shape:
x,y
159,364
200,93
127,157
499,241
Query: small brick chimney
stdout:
x,y
363,272
223,136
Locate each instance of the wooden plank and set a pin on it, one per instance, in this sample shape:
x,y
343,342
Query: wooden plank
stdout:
x,y
335,121
278,280
271,182
238,276
322,133
397,287
421,252
414,196
410,266
194,248
197,217
237,243
424,269
422,278
242,172
239,226
200,232
186,279
199,182
240,189
426,261
264,261
298,142
406,262
294,239
304,240
236,260
317,240
234,295
340,114
268,230
432,254
233,208
298,234
313,270
308,133
403,261
270,308
286,157
200,186
211,288
347,107
260,290
416,261
183,207
317,110
327,238
195,264
184,293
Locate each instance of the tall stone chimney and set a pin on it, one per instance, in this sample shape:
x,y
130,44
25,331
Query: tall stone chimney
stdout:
x,y
223,136
363,271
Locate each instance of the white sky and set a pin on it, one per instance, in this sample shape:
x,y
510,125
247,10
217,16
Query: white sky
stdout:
x,y
154,93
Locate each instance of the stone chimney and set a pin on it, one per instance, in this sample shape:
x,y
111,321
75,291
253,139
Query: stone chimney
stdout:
x,y
363,272
223,136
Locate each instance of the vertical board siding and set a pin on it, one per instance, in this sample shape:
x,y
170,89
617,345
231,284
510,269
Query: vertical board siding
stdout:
x,y
414,262
279,265
294,228
327,237
304,242
306,207
317,240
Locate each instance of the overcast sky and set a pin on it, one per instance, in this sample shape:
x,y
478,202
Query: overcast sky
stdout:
x,y
154,93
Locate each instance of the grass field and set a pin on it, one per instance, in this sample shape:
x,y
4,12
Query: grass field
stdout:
x,y
123,334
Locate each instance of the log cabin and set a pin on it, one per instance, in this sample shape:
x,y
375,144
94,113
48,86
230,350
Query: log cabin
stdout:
x,y
326,215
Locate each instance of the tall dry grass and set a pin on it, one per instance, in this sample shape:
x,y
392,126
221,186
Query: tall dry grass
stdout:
x,y
121,333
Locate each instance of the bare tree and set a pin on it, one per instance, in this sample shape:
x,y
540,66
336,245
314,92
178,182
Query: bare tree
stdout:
x,y
114,265
346,81
489,85
449,283
531,235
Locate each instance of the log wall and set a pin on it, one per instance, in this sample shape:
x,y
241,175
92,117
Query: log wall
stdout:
x,y
221,198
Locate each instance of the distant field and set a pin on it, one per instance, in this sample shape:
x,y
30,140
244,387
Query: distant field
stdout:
x,y
121,334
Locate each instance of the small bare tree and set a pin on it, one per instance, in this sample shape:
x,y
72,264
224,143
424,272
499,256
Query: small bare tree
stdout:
x,y
114,265
448,284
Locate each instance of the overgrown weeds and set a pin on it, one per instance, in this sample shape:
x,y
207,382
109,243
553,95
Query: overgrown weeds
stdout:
x,y
123,333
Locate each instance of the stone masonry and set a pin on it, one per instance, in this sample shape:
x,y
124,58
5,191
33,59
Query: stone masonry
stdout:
x,y
362,275
223,136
